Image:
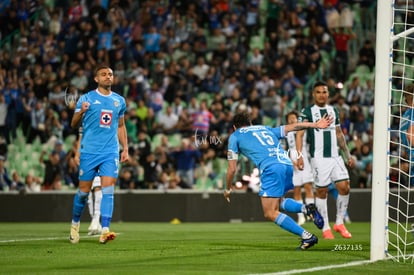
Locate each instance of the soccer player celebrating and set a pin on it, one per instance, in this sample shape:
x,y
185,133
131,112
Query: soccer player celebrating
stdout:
x,y
101,112
261,144
326,161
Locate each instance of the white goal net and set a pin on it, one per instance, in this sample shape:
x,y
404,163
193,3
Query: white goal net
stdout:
x,y
392,231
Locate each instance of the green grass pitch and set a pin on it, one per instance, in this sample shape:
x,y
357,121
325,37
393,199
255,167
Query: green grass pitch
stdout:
x,y
185,248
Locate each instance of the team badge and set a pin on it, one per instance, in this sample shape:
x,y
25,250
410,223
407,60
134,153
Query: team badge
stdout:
x,y
106,118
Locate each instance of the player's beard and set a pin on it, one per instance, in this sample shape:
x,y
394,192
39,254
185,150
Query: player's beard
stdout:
x,y
106,85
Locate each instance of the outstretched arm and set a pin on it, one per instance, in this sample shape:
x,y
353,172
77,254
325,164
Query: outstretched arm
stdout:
x,y
323,123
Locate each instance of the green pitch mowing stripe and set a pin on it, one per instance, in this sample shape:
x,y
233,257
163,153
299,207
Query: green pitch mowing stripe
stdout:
x,y
186,248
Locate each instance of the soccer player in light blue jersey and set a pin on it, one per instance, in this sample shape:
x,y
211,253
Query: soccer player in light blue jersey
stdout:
x,y
101,113
262,145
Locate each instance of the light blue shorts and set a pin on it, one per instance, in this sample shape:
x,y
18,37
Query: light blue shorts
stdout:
x,y
90,164
276,180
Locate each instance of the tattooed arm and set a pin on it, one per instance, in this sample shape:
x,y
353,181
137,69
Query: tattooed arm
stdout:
x,y
342,145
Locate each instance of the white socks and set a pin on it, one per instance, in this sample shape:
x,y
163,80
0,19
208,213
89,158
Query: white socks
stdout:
x,y
300,214
322,206
341,207
97,204
309,200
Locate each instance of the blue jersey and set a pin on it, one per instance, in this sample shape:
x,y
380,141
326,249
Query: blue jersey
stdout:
x,y
407,120
261,144
100,122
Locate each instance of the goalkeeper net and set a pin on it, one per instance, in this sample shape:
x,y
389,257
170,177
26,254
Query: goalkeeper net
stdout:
x,y
393,215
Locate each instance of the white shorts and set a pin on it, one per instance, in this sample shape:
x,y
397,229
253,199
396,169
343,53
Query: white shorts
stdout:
x,y
96,182
300,177
329,170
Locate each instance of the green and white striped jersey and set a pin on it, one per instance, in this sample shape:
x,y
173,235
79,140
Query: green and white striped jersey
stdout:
x,y
322,142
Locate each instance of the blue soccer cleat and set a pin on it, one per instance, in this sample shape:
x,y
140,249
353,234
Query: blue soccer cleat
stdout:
x,y
314,214
308,243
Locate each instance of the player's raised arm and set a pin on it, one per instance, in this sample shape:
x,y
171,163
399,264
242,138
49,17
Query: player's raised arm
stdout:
x,y
77,116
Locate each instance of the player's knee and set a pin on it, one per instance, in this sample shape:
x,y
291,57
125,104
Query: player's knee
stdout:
x,y
271,215
308,189
343,188
84,189
321,193
107,181
85,186
268,217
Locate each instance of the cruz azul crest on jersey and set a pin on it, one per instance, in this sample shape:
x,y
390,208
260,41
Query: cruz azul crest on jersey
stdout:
x,y
106,118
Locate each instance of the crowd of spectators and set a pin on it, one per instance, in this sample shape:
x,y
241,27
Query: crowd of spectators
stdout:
x,y
184,67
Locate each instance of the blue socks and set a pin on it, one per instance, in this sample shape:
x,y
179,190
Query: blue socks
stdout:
x,y
107,205
290,205
79,203
288,224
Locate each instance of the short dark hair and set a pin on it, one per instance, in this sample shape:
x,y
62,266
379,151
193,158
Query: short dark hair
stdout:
x,y
100,67
242,119
319,83
294,112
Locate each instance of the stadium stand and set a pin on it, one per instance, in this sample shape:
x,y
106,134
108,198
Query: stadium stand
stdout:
x,y
45,44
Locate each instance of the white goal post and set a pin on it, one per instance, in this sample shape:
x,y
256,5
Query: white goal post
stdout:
x,y
392,209
379,213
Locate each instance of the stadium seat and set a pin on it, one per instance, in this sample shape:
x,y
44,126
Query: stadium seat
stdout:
x,y
204,183
175,140
268,121
205,96
68,142
156,141
362,69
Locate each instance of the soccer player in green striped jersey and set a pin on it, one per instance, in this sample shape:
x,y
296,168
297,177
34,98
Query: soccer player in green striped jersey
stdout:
x,y
328,164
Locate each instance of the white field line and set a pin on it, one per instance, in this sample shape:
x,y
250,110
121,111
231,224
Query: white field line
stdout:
x,y
49,239
319,268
